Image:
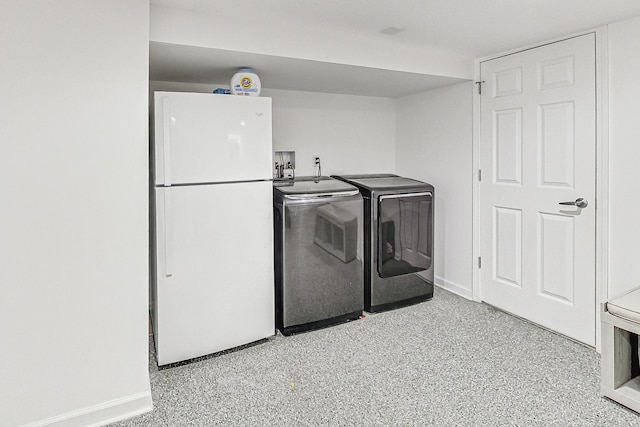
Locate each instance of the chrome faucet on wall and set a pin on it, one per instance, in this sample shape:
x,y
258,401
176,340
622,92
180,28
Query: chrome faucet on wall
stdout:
x,y
284,165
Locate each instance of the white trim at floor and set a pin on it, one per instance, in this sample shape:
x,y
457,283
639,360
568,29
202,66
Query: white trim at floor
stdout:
x,y
102,414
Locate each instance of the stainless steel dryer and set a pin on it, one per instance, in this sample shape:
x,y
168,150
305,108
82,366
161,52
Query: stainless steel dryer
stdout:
x,y
398,239
318,258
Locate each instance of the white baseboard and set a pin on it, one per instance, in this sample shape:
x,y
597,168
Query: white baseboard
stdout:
x,y
102,414
457,289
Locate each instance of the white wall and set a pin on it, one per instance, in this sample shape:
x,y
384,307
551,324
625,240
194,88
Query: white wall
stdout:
x,y
434,144
73,216
624,156
351,134
433,140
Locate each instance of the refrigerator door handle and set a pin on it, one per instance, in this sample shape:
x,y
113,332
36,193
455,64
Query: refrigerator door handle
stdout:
x,y
166,139
168,234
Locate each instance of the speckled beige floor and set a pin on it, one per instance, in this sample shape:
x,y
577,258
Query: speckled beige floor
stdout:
x,y
445,362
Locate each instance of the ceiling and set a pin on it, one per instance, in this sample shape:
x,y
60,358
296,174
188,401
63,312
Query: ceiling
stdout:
x,y
473,28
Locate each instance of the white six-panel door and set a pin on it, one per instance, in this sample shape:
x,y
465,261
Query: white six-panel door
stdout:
x,y
537,149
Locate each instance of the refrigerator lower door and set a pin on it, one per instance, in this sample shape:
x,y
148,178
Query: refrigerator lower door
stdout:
x,y
214,264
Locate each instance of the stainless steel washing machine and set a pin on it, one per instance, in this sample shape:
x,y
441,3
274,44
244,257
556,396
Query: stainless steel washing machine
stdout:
x,y
398,239
318,258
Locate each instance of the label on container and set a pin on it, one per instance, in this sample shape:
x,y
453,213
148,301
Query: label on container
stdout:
x,y
247,84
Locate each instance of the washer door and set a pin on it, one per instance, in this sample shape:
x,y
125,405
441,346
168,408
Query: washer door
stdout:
x,y
405,233
321,273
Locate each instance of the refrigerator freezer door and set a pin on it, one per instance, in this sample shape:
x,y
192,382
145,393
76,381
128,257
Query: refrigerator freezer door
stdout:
x,y
217,290
207,138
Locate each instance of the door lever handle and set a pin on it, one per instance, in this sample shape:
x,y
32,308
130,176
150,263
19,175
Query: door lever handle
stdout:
x,y
580,202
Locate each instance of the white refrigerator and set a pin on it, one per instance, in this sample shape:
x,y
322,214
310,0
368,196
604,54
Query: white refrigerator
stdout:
x,y
212,213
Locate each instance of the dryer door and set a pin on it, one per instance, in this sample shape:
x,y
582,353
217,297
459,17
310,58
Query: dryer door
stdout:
x,y
405,233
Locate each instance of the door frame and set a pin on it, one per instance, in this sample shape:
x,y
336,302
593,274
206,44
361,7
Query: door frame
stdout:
x,y
602,167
